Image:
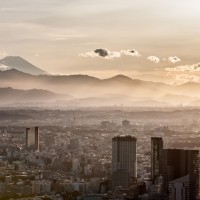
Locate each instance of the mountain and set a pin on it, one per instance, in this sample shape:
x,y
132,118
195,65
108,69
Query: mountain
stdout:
x,y
189,88
81,86
18,63
10,95
117,90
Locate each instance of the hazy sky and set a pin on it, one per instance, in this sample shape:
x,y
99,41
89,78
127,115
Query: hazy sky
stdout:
x,y
53,33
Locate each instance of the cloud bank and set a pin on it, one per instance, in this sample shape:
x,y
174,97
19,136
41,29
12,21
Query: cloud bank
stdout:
x,y
105,53
185,78
184,68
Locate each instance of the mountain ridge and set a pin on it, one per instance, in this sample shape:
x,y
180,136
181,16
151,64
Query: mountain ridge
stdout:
x,y
10,95
20,64
71,83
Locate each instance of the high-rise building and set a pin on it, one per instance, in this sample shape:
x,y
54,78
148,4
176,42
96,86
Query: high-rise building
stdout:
x,y
32,138
124,161
156,157
184,188
178,163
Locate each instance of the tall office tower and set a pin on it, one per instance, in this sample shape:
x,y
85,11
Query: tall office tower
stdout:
x,y
32,138
156,157
184,188
178,163
124,161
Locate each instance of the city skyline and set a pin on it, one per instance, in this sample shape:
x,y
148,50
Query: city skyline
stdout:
x,y
99,100
53,35
99,153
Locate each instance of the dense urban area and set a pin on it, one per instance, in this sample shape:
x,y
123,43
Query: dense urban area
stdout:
x,y
73,155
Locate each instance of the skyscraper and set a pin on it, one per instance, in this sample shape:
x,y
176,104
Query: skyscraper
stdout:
x,y
32,138
178,163
124,161
156,157
184,188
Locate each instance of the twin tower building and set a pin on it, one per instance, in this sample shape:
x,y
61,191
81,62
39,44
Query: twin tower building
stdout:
x,y
168,165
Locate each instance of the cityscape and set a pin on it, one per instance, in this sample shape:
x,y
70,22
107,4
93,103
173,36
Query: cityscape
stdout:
x,y
103,158
99,100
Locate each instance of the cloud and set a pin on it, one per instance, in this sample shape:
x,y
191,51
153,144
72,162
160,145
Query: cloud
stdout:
x,y
184,78
153,59
113,54
105,53
4,67
130,52
174,59
101,52
183,68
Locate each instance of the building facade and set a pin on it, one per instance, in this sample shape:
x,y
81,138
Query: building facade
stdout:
x,y
32,138
124,161
156,157
184,188
178,163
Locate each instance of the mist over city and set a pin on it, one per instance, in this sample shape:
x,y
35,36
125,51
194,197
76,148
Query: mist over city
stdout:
x,y
99,100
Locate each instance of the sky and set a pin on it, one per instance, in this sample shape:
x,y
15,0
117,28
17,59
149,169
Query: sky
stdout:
x,y
60,37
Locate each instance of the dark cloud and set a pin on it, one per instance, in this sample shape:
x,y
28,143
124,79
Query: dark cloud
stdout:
x,y
101,52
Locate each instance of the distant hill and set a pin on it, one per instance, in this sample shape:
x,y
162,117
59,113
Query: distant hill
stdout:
x,y
189,88
82,86
117,90
10,95
18,63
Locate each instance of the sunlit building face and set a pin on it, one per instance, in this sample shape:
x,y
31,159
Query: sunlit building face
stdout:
x,y
32,138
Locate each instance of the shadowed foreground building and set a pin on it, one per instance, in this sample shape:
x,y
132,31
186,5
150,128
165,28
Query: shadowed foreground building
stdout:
x,y
178,163
177,168
124,161
32,138
184,188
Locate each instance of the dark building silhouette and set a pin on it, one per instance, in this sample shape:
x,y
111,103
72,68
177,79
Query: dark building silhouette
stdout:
x,y
124,161
184,188
178,163
32,138
156,157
